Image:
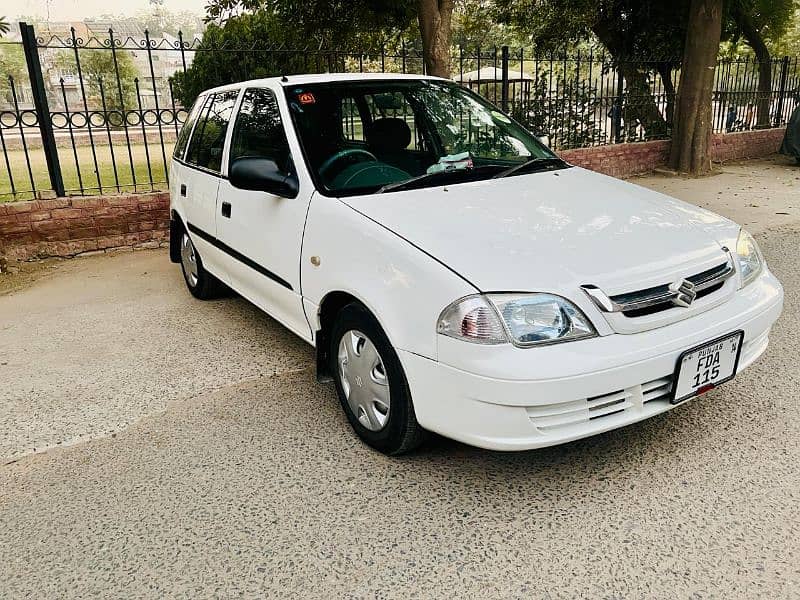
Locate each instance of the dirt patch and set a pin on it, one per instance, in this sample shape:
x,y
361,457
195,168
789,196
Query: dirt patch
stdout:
x,y
20,275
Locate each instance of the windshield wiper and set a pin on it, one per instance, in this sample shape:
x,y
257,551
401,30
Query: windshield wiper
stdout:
x,y
453,174
533,164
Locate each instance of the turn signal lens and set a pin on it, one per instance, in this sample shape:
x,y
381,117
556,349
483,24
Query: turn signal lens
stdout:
x,y
472,319
751,263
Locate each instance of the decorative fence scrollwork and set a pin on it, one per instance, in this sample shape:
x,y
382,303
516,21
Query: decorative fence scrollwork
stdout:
x,y
112,115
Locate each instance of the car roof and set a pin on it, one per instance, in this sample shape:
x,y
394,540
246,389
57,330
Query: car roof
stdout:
x,y
286,80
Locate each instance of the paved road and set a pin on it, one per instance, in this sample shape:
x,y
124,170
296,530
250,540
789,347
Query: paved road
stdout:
x,y
231,472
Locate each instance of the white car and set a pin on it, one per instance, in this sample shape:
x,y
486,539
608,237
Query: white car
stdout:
x,y
453,273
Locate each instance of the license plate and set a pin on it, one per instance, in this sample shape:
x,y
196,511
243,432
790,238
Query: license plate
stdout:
x,y
705,367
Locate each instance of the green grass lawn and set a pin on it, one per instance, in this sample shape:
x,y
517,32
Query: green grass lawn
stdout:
x,y
91,178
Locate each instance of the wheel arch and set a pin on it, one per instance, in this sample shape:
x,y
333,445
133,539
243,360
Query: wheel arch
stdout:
x,y
176,228
330,306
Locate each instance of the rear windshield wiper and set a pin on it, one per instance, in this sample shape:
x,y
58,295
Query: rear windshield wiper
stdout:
x,y
451,175
532,165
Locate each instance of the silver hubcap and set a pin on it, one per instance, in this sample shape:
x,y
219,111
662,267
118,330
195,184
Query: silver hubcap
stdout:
x,y
189,259
364,380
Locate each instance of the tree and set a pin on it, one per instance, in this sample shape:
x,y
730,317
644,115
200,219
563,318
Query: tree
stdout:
x,y
634,32
338,24
247,46
691,138
332,24
789,43
100,74
758,22
12,64
435,21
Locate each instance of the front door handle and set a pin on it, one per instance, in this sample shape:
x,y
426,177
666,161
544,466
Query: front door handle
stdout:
x,y
226,210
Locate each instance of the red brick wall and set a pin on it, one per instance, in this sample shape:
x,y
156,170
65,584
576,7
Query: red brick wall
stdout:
x,y
626,160
746,144
621,160
72,226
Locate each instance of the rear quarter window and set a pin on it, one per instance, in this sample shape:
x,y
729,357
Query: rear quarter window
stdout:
x,y
208,138
186,129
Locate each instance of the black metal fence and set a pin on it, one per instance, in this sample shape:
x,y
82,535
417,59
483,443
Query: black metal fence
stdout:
x,y
83,112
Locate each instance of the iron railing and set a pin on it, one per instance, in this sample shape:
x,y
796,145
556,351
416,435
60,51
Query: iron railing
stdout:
x,y
91,113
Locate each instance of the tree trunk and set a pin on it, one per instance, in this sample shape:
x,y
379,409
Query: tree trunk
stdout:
x,y
435,18
665,72
639,104
691,139
756,42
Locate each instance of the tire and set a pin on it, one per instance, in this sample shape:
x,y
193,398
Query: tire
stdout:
x,y
202,284
382,414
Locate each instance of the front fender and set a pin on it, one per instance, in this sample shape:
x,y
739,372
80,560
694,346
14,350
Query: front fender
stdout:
x,y
402,286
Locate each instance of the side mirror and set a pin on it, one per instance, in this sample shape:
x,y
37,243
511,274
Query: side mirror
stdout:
x,y
262,175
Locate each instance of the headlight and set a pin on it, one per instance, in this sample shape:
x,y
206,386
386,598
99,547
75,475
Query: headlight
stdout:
x,y
533,319
523,319
751,263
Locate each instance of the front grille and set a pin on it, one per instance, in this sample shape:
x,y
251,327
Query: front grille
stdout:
x,y
658,298
552,418
649,310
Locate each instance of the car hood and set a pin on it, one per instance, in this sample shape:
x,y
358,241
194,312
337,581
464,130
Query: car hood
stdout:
x,y
554,231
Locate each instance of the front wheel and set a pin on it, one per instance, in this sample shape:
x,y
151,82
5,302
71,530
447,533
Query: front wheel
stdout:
x,y
371,384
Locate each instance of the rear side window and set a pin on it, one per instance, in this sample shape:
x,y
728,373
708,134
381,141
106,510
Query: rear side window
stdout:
x,y
186,130
208,139
258,131
352,126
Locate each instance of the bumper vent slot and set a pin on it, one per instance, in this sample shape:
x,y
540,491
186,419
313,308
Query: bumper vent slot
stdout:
x,y
658,389
563,415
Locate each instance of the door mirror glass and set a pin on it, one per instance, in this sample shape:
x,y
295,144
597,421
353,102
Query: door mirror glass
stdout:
x,y
262,175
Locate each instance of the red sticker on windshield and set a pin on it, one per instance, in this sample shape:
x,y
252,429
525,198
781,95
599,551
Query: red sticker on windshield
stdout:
x,y
306,98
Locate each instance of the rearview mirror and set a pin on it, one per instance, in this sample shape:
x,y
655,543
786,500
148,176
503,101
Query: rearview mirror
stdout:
x,y
262,175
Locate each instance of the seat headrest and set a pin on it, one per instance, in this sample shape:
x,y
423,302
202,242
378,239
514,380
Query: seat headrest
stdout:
x,y
389,134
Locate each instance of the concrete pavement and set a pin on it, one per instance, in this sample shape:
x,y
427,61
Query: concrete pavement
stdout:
x,y
231,472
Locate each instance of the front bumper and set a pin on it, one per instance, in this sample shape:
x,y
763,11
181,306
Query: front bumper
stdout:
x,y
507,398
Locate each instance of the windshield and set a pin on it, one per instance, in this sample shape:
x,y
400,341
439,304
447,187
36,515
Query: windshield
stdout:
x,y
364,137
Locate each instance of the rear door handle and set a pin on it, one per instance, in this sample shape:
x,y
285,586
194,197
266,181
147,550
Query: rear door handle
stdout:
x,y
183,190
226,210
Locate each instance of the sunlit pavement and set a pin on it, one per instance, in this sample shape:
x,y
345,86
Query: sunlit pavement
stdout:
x,y
202,459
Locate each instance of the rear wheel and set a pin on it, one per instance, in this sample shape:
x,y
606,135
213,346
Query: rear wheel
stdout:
x,y
201,283
371,384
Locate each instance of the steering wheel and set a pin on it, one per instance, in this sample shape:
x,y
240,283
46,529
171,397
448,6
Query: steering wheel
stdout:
x,y
348,152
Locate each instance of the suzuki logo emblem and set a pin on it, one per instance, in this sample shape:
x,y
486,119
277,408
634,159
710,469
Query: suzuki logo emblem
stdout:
x,y
684,293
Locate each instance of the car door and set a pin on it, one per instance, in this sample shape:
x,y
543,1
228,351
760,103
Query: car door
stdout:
x,y
264,232
201,176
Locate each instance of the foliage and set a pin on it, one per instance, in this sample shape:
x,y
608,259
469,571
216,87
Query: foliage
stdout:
x,y
568,118
340,24
227,54
771,18
12,64
325,30
475,25
99,72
